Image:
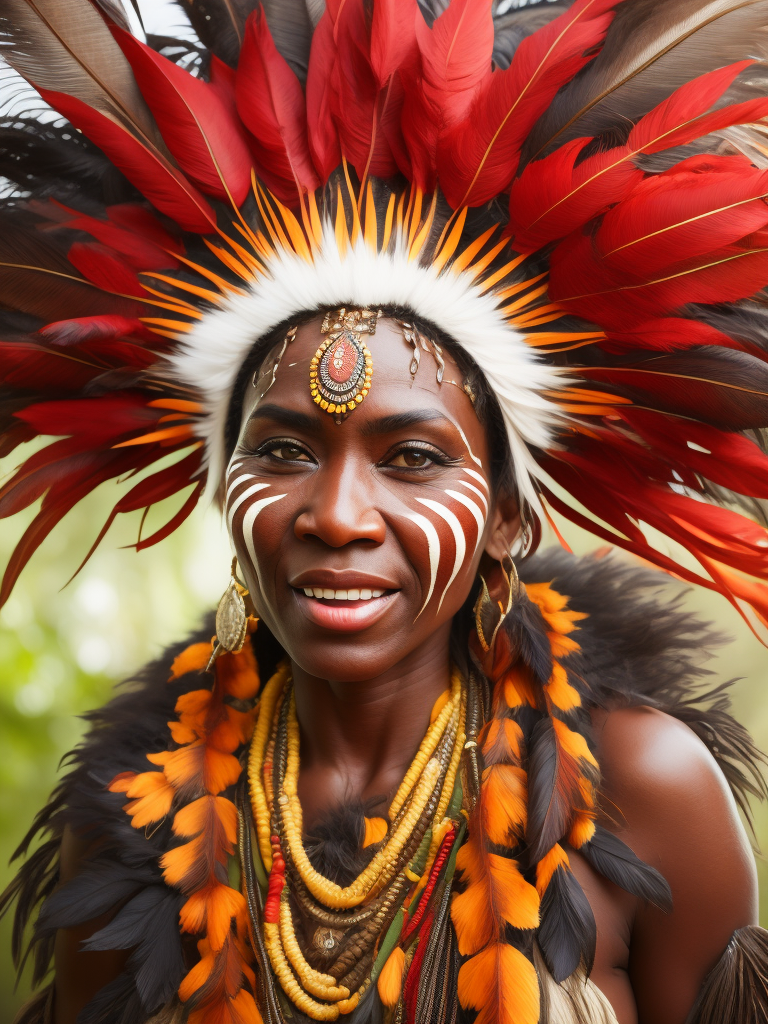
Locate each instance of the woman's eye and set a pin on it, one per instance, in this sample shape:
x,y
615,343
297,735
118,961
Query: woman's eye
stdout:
x,y
411,458
289,453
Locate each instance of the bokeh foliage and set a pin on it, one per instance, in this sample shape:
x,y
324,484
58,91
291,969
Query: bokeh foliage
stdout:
x,y
62,651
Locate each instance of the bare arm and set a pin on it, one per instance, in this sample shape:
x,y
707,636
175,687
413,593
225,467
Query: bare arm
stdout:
x,y
671,804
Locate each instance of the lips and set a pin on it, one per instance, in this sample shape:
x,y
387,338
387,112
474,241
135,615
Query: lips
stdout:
x,y
344,601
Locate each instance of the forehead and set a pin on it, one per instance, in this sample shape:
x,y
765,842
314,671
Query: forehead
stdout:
x,y
393,388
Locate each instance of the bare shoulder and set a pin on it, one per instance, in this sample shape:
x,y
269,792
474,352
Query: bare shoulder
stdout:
x,y
665,796
661,783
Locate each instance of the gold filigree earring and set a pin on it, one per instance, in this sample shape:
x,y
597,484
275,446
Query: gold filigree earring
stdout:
x,y
231,618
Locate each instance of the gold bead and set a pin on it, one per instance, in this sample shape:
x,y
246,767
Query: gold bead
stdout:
x,y
323,404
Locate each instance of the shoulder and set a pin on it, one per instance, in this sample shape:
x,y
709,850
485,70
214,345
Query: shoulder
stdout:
x,y
662,785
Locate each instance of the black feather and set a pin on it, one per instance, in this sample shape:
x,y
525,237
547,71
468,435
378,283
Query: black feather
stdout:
x,y
614,860
334,845
219,24
149,924
548,815
567,933
525,626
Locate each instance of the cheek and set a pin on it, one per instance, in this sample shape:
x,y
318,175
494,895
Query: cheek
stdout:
x,y
451,526
246,499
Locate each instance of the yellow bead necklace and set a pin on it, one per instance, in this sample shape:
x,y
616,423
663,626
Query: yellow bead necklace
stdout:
x,y
366,907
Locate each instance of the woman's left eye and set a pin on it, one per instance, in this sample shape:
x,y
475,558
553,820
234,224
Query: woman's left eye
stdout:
x,y
413,458
289,453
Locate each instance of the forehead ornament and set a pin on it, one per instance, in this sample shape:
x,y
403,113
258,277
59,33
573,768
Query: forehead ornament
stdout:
x,y
341,369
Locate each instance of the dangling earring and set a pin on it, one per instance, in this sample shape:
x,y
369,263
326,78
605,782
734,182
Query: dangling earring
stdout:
x,y
490,613
231,619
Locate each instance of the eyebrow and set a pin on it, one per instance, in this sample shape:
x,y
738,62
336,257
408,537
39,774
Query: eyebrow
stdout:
x,y
288,417
381,425
398,420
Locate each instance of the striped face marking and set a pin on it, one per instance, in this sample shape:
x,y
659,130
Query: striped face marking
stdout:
x,y
458,522
236,498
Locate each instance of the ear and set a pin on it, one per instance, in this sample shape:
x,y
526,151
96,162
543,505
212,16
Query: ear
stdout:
x,y
505,527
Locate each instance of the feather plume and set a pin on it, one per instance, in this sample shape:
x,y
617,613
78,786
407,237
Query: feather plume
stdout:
x,y
67,52
477,159
652,48
454,59
271,105
197,120
620,865
554,196
568,934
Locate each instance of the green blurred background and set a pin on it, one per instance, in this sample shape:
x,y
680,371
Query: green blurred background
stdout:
x,y
62,651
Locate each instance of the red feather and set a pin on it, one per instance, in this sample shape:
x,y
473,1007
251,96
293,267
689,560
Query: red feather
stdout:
x,y
454,59
366,115
582,282
131,230
144,166
322,135
553,196
199,127
477,159
394,28
105,268
669,333
730,460
689,211
93,328
271,103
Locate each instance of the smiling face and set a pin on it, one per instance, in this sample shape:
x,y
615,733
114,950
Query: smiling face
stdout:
x,y
360,540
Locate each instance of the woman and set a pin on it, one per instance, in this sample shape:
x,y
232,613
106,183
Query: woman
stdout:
x,y
392,325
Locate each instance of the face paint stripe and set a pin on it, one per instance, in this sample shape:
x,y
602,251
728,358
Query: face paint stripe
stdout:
x,y
249,519
475,510
458,536
236,483
232,469
253,489
476,476
433,547
469,447
477,491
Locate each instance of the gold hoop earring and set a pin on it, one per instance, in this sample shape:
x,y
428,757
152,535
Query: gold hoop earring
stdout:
x,y
231,619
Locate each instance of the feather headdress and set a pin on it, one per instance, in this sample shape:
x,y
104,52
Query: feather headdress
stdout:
x,y
575,192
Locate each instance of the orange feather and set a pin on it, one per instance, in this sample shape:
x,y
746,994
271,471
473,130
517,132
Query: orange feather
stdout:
x,y
503,803
390,983
502,984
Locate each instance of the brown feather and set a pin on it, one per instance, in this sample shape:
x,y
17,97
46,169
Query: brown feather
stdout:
x,y
652,48
65,46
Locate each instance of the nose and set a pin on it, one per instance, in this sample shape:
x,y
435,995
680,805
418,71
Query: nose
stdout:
x,y
341,509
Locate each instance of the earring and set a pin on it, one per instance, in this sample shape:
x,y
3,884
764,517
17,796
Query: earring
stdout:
x,y
489,613
231,619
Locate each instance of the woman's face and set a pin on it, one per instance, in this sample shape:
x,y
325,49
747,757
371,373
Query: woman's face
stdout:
x,y
359,540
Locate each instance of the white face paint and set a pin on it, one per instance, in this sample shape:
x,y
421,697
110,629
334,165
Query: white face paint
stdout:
x,y
236,498
459,527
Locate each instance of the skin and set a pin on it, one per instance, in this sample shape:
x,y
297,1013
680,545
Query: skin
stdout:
x,y
314,503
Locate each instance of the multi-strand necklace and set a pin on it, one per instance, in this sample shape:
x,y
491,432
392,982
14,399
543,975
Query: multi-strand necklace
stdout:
x,y
318,943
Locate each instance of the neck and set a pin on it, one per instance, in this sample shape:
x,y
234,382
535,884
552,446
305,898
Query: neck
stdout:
x,y
359,738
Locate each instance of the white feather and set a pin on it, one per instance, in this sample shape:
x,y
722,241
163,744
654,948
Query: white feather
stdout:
x,y
211,354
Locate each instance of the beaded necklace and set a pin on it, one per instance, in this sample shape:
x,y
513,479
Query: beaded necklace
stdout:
x,y
323,945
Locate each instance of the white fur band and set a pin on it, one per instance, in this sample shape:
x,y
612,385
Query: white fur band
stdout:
x,y
210,356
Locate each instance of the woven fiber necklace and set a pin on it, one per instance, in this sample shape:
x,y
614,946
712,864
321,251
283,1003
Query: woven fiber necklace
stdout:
x,y
320,946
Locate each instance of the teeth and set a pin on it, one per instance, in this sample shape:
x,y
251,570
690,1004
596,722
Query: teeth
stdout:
x,y
326,594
